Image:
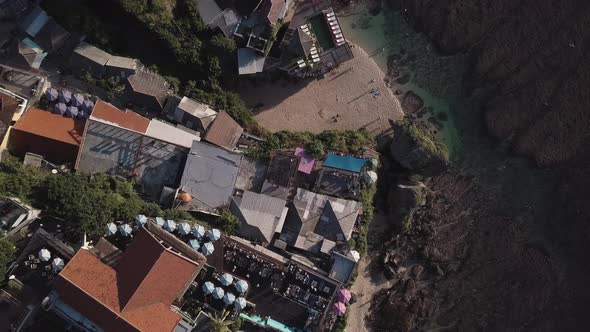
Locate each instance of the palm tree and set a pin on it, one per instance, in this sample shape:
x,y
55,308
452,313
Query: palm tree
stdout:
x,y
220,323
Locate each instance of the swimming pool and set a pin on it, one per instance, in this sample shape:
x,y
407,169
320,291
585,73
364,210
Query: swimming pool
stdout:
x,y
321,29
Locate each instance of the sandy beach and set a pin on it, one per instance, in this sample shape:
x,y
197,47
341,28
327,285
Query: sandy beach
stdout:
x,y
341,100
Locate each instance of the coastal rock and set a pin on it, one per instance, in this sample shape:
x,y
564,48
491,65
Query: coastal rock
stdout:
x,y
416,150
406,196
403,79
537,73
412,103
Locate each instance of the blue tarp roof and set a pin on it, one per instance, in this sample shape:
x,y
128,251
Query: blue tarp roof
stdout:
x,y
35,21
347,163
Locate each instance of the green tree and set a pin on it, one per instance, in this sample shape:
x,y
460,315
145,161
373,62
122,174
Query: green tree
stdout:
x,y
220,322
315,148
7,252
228,222
223,43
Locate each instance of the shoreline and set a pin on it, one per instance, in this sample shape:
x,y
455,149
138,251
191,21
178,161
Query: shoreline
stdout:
x,y
341,100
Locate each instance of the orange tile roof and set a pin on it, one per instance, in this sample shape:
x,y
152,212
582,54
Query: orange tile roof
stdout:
x,y
137,294
54,126
224,131
126,119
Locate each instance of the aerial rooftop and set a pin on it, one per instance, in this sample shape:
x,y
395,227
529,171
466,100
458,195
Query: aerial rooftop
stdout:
x,y
135,295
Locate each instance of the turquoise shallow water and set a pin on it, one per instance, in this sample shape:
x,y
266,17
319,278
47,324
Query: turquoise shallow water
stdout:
x,y
385,34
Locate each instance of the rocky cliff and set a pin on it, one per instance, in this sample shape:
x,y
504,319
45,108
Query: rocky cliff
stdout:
x,y
531,58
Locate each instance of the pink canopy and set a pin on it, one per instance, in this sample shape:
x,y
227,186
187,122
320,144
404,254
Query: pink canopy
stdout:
x,y
339,308
307,161
343,295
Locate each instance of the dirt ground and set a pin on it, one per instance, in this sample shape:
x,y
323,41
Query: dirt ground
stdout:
x,y
340,100
369,281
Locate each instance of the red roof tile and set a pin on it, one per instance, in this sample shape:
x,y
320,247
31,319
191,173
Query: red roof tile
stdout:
x,y
136,296
126,119
54,126
224,131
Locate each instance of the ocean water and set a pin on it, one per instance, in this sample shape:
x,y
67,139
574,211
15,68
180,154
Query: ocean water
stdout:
x,y
524,193
434,78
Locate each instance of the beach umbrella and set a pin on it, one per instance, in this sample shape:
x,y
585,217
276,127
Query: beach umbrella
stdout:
x,y
140,220
160,221
65,96
229,298
214,234
111,229
226,279
207,248
57,264
198,231
339,308
218,293
169,225
51,94
194,244
71,112
208,287
354,255
125,230
344,295
184,228
371,177
242,286
88,105
240,303
77,100
60,108
44,255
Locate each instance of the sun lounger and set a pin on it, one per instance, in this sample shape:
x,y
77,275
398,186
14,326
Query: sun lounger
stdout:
x,y
333,23
335,31
338,36
340,41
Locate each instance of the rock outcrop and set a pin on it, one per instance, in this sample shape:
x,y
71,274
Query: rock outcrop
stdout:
x,y
460,266
530,56
414,149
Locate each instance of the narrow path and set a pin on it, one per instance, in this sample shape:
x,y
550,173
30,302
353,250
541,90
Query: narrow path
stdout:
x,y
370,279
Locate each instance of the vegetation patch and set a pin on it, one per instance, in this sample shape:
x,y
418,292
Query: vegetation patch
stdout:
x,y
424,139
86,203
359,243
347,141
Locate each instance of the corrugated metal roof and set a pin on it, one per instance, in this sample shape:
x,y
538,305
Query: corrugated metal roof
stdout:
x,y
149,84
327,216
249,62
165,132
92,53
209,176
196,108
263,212
122,62
108,113
224,131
